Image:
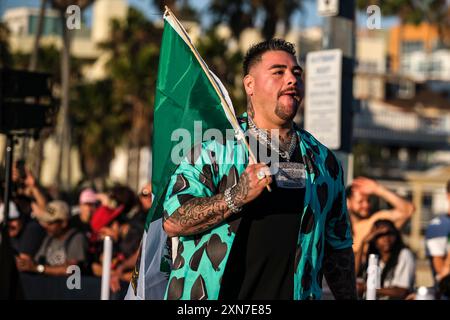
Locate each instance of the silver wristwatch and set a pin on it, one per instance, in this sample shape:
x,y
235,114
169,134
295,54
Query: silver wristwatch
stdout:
x,y
40,268
229,199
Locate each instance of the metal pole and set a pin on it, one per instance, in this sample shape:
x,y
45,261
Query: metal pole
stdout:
x,y
8,176
373,276
339,33
106,268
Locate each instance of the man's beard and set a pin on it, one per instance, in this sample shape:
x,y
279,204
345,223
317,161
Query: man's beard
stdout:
x,y
284,114
358,215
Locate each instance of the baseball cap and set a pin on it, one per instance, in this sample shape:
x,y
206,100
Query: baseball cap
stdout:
x,y
55,210
88,196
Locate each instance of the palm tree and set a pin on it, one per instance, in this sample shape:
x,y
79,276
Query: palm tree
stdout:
x,y
241,14
98,126
37,37
37,151
64,132
134,47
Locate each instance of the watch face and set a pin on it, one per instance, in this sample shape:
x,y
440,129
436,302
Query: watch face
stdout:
x,y
40,268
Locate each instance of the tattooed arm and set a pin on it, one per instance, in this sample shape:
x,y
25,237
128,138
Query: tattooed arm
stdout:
x,y
197,215
339,271
200,214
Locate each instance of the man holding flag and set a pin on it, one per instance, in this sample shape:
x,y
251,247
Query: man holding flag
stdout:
x,y
238,237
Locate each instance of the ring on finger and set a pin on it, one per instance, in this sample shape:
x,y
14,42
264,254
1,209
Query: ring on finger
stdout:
x,y
260,174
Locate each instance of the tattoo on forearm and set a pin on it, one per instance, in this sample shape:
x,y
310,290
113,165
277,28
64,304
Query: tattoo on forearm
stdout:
x,y
339,271
200,214
241,190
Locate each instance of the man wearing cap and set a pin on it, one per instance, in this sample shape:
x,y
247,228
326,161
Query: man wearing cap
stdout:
x,y
25,233
62,247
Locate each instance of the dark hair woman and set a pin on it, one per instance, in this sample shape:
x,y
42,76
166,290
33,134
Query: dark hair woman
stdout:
x,y
397,262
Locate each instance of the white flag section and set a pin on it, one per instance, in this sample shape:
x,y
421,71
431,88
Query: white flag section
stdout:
x,y
225,94
152,282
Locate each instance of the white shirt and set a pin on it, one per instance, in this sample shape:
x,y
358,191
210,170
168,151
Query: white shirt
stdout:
x,y
404,271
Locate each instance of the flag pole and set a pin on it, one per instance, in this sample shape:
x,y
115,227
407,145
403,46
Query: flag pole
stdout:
x,y
227,108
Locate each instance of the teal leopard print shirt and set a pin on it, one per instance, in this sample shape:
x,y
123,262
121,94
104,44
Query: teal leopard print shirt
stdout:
x,y
201,259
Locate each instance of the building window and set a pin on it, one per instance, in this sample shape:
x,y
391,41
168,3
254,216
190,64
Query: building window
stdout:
x,y
405,89
436,68
411,46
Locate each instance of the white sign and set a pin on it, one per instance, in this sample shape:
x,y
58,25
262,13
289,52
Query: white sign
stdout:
x,y
323,96
327,8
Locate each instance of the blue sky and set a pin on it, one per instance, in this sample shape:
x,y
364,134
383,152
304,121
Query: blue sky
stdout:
x,y
307,18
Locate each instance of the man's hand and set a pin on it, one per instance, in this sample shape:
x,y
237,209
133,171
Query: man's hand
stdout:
x,y
15,176
114,282
30,181
366,186
113,231
402,208
25,264
103,198
37,210
199,214
375,232
250,186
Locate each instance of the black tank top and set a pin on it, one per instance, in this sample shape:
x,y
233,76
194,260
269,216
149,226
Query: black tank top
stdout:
x,y
261,261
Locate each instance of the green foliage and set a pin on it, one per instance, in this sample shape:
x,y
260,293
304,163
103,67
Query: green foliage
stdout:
x,y
118,110
49,61
181,8
241,14
97,125
364,153
227,66
134,48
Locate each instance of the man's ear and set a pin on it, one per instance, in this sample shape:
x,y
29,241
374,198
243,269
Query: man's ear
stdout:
x,y
249,82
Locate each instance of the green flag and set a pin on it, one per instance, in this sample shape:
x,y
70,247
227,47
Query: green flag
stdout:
x,y
185,93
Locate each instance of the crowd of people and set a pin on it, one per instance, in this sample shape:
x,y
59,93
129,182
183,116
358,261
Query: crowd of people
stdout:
x,y
48,235
380,233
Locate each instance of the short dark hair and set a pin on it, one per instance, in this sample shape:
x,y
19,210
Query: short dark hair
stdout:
x,y
349,192
255,52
